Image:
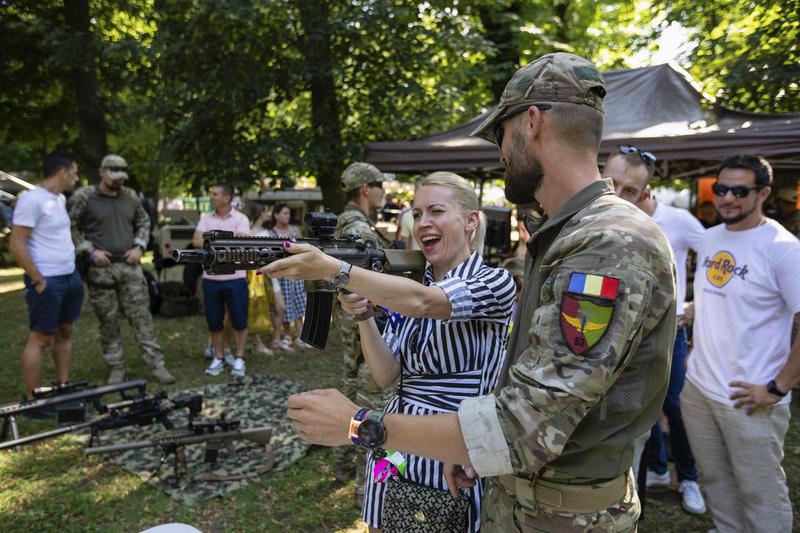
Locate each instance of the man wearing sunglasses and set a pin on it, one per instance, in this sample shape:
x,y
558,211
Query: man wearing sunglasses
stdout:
x,y
110,229
735,402
631,170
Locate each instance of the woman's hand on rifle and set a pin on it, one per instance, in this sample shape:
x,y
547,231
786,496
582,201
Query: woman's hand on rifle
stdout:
x,y
304,262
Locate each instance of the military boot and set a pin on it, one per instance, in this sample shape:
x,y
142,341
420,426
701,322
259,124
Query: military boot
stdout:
x,y
117,375
162,375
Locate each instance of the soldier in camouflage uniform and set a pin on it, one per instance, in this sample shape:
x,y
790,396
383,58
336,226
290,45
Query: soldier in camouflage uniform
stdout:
x,y
111,228
588,360
363,184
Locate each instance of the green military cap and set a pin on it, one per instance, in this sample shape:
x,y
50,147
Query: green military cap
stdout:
x,y
358,174
558,77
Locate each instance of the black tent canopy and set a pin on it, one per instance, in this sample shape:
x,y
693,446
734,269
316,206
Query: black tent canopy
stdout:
x,y
658,108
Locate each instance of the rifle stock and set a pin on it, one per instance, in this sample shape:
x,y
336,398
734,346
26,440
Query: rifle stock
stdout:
x,y
223,253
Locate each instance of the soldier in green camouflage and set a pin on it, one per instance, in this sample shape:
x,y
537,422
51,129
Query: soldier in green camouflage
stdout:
x,y
110,229
588,360
363,184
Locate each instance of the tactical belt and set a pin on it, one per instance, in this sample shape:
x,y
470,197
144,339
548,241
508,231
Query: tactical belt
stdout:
x,y
566,498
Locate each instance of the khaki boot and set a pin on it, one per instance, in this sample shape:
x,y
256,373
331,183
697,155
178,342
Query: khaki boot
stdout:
x,y
162,375
117,375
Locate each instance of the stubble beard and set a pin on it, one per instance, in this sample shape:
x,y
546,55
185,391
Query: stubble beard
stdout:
x,y
737,218
523,175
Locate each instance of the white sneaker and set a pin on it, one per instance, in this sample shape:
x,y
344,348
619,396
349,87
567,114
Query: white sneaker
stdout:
x,y
208,353
693,500
657,481
238,368
229,358
216,367
302,344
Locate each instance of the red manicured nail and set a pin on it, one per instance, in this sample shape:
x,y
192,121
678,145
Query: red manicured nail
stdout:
x,y
287,244
258,273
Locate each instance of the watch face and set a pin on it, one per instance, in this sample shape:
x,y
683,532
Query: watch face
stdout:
x,y
371,433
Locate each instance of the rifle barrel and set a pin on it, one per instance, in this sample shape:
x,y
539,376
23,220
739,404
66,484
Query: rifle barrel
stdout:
x,y
260,435
17,408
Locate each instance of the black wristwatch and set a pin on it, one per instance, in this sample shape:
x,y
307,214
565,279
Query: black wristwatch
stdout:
x,y
343,276
371,431
772,388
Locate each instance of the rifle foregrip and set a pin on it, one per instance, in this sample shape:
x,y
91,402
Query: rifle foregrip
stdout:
x,y
317,323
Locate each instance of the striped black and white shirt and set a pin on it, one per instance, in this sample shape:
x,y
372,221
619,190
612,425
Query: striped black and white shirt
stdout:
x,y
445,361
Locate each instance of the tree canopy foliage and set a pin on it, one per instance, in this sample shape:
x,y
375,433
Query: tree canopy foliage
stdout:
x,y
256,92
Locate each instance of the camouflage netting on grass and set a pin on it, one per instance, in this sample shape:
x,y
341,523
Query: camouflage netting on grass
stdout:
x,y
259,401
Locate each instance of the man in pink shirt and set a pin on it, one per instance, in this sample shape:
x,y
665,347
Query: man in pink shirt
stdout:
x,y
224,290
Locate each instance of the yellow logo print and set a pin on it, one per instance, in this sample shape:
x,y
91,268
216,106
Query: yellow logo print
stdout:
x,y
721,267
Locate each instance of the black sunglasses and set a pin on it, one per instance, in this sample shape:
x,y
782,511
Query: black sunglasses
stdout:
x,y
498,124
377,184
644,155
740,191
117,169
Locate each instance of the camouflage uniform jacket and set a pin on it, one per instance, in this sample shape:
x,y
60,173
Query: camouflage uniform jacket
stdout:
x,y
114,228
354,221
588,361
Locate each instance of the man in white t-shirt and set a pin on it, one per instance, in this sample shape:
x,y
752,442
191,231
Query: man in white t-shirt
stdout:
x,y
42,245
631,169
736,403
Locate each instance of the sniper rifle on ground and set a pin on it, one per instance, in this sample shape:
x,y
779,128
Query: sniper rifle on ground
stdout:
x,y
222,253
215,434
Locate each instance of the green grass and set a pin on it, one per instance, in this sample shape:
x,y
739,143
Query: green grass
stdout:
x,y
52,486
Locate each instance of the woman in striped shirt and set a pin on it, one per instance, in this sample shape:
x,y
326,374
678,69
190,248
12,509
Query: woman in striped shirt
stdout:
x,y
447,336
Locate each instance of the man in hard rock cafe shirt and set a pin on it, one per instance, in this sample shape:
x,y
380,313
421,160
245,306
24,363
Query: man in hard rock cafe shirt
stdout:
x,y
735,403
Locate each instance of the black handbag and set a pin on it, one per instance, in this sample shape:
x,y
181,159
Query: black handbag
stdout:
x,y
409,506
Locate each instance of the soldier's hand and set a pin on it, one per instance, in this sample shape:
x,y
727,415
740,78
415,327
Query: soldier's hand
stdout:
x,y
100,258
752,396
133,256
353,304
322,416
305,261
459,477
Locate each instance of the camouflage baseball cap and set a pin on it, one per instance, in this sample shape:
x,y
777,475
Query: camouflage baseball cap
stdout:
x,y
116,166
558,77
357,174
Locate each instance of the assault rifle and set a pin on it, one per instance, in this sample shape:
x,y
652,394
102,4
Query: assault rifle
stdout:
x,y
215,434
75,396
137,411
222,253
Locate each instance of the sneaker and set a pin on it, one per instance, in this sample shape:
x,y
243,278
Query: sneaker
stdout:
x,y
657,481
229,358
302,344
162,375
238,368
692,499
208,353
117,375
216,367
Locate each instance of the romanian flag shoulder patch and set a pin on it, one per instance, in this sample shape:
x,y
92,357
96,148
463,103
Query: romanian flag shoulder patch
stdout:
x,y
604,287
585,321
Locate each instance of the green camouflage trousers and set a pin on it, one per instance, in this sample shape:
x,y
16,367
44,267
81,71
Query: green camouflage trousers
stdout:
x,y
122,290
358,385
502,513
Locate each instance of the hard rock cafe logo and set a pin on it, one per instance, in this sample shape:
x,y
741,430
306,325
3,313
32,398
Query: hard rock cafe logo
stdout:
x,y
722,267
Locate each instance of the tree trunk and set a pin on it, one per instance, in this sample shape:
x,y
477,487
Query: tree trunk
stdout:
x,y
91,118
501,28
327,152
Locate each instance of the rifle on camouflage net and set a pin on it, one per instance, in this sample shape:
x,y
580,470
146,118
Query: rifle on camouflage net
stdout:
x,y
137,411
215,434
222,253
70,401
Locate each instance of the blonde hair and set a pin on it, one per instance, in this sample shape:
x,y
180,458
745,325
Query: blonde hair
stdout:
x,y
466,199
